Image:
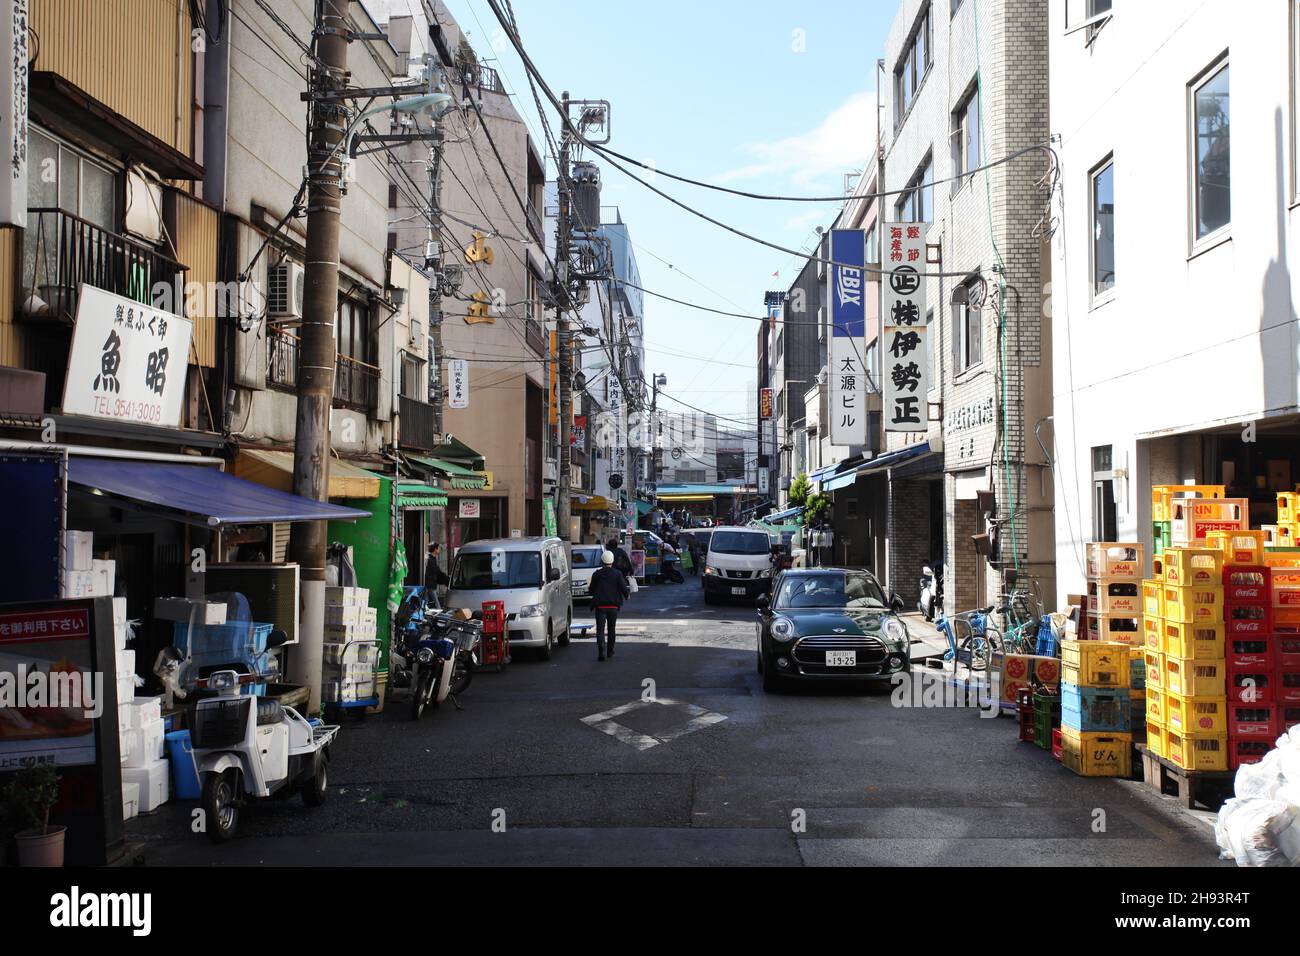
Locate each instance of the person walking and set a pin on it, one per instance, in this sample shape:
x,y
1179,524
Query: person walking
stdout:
x,y
622,563
433,573
609,590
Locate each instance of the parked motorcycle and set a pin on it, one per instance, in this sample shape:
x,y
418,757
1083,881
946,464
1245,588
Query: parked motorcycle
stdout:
x,y
931,600
439,651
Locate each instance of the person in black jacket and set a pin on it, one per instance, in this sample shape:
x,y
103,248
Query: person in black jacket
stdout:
x,y
622,563
433,573
608,592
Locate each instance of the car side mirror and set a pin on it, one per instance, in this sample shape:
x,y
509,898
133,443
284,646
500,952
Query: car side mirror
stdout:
x,y
554,574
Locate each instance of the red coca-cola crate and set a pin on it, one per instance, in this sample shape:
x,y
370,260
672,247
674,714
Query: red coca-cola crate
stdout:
x,y
1286,686
1286,651
1250,654
1248,620
1242,750
1247,584
1056,742
1288,715
1252,720
1251,687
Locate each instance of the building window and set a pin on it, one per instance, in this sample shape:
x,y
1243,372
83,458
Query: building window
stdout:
x,y
966,138
63,178
913,65
873,240
354,330
1103,229
1211,184
1098,8
967,331
1104,515
415,385
931,347
917,203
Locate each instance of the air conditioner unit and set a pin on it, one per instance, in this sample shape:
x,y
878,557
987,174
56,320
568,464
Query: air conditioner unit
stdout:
x,y
285,286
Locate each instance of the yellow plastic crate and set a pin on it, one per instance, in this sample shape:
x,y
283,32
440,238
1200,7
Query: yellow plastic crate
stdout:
x,y
1152,597
1095,663
1116,628
1155,669
1097,754
1187,567
1156,706
1288,508
1197,751
1156,745
1196,715
1162,495
1193,642
1114,597
1108,560
1153,629
1197,604
1238,547
1190,678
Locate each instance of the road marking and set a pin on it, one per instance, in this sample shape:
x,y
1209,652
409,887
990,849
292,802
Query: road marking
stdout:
x,y
605,723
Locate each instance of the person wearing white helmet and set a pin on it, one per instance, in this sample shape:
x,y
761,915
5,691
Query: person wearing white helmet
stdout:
x,y
609,589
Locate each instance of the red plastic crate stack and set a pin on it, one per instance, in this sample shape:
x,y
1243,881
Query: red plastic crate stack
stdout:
x,y
1251,652
1286,647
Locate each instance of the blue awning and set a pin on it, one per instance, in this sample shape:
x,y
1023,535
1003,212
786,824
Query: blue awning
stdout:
x,y
197,494
895,458
782,515
823,472
840,481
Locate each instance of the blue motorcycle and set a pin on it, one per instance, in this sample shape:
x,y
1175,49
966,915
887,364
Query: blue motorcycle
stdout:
x,y
439,651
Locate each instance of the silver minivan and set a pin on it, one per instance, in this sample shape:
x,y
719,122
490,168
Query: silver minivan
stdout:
x,y
531,575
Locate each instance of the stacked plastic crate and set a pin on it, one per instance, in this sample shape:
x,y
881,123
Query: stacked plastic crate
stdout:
x,y
1115,597
1096,740
1251,656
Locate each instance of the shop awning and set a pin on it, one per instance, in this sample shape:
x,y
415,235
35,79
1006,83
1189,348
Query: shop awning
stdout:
x,y
274,469
643,507
840,481
782,515
462,478
593,503
893,459
674,499
196,494
415,496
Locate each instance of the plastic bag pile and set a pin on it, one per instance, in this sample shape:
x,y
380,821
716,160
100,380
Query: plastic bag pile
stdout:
x,y
1260,826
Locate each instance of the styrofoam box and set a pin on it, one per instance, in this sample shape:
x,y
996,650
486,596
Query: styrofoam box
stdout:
x,y
123,717
119,610
125,687
342,633
361,654
130,800
349,671
125,662
146,744
78,584
346,597
144,710
105,574
126,746
152,779
369,617
78,548
341,614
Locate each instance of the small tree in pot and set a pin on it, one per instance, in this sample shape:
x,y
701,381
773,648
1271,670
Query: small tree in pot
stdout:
x,y
32,793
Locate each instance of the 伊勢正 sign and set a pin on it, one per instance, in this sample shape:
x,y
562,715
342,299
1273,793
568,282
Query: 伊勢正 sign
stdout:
x,y
847,371
128,360
906,368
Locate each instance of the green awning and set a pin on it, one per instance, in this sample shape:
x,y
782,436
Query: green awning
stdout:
x,y
466,479
415,494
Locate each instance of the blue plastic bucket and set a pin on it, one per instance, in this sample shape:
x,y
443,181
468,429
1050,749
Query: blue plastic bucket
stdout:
x,y
185,772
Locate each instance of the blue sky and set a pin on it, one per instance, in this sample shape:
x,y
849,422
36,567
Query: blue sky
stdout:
x,y
775,97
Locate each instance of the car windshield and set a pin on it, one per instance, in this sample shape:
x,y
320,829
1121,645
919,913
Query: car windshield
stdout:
x,y
587,557
830,589
483,570
740,542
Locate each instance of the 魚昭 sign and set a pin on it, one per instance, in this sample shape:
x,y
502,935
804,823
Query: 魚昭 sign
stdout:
x,y
906,369
128,360
848,374
458,389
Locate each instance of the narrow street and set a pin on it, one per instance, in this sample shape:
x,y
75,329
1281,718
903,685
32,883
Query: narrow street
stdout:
x,y
879,785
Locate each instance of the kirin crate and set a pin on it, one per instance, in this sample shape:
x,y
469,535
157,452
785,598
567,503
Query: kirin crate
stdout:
x,y
1095,663
1116,628
1193,518
1103,754
1162,497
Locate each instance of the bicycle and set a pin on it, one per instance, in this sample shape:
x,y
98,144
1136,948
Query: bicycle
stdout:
x,y
1023,613
980,640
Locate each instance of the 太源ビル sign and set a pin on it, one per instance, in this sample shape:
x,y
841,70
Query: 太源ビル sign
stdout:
x,y
847,371
128,360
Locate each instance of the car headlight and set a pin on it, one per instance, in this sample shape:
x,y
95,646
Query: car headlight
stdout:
x,y
895,630
424,655
532,610
765,573
708,569
782,629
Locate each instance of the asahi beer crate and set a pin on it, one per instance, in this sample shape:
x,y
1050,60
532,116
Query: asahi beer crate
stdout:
x,y
1120,597
1117,628
1162,497
1110,560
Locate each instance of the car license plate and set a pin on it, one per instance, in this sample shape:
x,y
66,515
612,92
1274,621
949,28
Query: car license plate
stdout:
x,y
841,658
737,590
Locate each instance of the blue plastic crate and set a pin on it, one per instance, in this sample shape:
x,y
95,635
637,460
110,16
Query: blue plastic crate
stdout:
x,y
1138,679
224,643
1089,709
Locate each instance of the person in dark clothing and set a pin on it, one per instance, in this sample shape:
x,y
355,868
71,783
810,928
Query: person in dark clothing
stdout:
x,y
608,592
433,573
622,563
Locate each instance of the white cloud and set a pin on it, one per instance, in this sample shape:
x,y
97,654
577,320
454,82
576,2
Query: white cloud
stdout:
x,y
840,143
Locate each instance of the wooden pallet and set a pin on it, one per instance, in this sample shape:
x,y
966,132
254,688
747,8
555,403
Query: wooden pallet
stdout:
x,y
1209,788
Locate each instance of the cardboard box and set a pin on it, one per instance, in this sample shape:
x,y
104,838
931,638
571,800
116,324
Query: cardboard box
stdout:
x,y
78,550
1020,671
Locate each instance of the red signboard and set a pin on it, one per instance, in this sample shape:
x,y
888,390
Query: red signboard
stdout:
x,y
765,403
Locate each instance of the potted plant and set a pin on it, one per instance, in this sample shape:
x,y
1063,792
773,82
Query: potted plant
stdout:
x,y
32,793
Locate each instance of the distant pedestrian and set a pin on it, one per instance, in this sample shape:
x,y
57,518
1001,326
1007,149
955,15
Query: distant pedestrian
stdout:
x,y
609,589
622,563
433,573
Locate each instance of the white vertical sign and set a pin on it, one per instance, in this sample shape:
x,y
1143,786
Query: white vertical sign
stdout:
x,y
458,384
13,112
905,367
847,371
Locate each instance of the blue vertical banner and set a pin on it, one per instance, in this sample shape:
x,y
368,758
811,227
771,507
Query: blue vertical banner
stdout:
x,y
847,374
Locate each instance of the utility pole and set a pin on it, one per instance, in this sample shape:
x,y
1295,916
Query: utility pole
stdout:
x,y
433,259
563,231
316,350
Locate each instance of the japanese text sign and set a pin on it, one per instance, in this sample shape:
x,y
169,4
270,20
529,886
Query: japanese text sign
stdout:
x,y
847,372
905,365
458,384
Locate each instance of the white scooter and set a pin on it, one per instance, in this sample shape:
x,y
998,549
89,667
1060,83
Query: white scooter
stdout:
x,y
248,748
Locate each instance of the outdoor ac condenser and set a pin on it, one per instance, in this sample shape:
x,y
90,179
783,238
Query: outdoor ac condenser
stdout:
x,y
285,284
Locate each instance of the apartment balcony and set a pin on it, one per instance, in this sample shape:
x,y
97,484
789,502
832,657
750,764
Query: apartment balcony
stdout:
x,y
418,424
535,224
356,383
282,360
490,80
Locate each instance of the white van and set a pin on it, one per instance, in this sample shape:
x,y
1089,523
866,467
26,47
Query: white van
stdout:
x,y
531,575
739,564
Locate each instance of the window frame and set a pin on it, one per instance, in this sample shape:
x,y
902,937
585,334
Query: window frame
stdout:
x,y
1095,297
963,167
961,337
1199,243
117,174
914,193
906,64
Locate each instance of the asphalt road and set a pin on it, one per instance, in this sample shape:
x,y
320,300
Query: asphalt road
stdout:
x,y
712,771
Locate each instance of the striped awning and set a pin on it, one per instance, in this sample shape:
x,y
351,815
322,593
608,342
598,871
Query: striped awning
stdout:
x,y
415,496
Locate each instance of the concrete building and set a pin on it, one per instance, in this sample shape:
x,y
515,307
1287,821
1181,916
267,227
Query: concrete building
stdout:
x,y
960,93
1173,310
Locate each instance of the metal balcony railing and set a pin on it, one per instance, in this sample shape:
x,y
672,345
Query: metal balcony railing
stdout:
x,y
490,80
356,384
281,360
417,425
61,251
535,223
